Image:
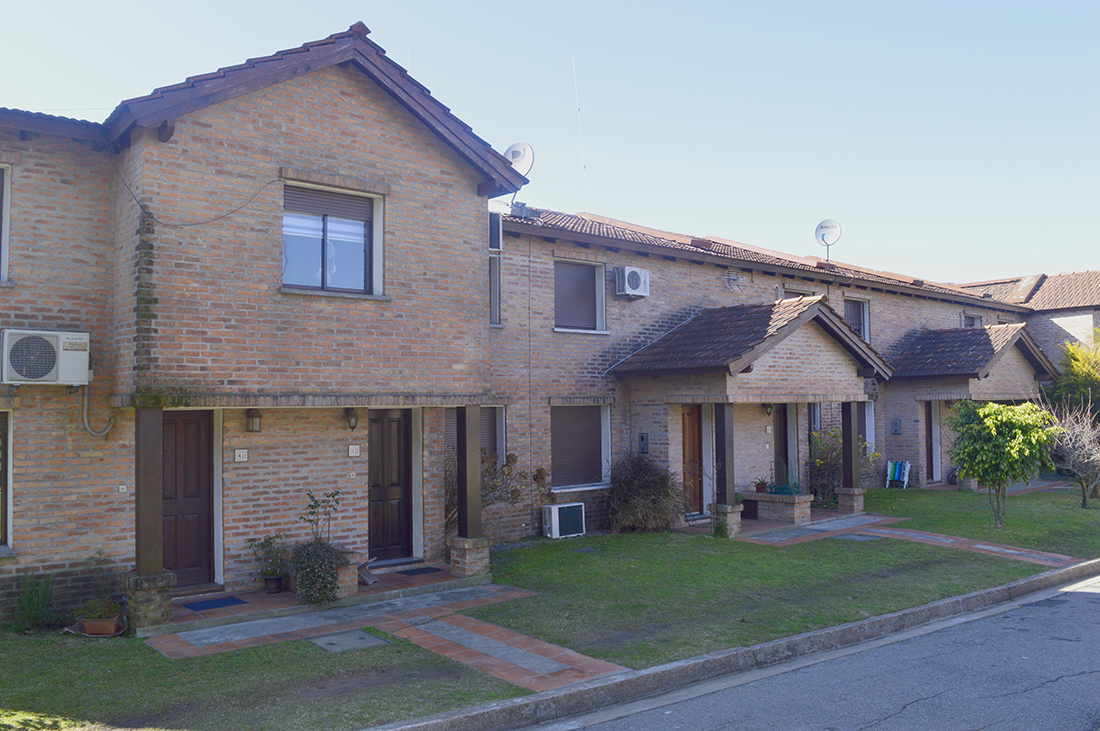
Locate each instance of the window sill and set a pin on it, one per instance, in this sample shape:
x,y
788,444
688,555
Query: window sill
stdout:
x,y
581,332
579,488
343,295
6,283
495,326
6,552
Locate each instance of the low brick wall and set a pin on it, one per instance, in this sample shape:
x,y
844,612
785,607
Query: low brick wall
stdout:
x,y
781,508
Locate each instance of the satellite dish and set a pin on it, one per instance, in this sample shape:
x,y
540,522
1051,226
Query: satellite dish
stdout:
x,y
521,156
827,234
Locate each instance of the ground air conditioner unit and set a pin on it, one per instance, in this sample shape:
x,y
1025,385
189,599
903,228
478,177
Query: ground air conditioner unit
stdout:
x,y
631,282
46,357
563,520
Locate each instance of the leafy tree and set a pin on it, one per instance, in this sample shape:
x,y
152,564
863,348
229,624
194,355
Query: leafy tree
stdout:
x,y
1080,379
999,445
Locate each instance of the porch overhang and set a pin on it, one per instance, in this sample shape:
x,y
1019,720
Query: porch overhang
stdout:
x,y
175,398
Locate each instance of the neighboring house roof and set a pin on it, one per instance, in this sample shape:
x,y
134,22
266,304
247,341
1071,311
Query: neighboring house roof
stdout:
x,y
968,352
78,129
350,49
1045,292
729,339
588,229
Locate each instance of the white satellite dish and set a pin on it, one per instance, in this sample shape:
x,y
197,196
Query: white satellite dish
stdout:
x,y
827,234
521,156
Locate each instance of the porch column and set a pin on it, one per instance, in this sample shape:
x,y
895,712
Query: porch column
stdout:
x,y
723,448
149,588
850,494
470,548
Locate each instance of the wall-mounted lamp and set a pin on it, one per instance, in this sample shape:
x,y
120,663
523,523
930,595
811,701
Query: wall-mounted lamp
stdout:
x,y
252,418
352,417
767,409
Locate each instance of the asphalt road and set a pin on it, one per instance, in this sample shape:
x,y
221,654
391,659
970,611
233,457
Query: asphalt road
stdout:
x,y
1033,666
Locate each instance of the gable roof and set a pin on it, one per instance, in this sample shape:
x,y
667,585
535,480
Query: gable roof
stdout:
x,y
350,49
1045,292
730,339
968,352
588,229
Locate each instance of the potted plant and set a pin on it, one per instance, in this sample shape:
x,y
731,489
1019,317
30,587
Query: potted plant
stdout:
x,y
271,553
99,614
761,484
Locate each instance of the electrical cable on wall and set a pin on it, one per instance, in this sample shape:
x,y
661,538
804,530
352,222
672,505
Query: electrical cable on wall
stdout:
x,y
209,220
95,433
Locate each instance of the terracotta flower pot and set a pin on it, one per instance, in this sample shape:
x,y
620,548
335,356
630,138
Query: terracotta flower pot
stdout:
x,y
273,584
107,626
761,487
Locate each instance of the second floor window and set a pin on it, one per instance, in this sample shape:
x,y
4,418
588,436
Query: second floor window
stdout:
x,y
578,296
855,314
327,240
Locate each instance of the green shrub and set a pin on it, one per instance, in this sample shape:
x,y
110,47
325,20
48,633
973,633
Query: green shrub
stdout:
x,y
317,565
827,465
643,496
33,608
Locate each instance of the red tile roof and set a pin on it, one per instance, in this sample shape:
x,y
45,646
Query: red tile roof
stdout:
x,y
731,338
968,352
1045,292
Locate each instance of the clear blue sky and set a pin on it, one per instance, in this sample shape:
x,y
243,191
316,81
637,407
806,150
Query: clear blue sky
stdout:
x,y
955,141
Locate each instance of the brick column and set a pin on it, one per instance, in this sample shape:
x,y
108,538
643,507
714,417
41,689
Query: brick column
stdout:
x,y
725,519
149,599
347,582
469,556
850,500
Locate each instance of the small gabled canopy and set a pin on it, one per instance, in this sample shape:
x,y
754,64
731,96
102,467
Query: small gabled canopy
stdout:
x,y
968,352
730,339
350,49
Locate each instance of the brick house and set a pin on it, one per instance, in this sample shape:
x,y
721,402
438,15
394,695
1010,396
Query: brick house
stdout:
x,y
292,277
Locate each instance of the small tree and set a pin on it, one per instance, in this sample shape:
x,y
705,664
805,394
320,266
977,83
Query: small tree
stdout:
x,y
999,445
500,483
827,464
1080,380
1077,449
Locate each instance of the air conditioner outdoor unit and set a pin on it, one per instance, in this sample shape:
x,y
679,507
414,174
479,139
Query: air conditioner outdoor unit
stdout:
x,y
631,282
563,520
45,357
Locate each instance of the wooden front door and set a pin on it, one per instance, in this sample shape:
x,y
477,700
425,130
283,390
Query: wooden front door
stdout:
x,y
390,489
188,496
693,457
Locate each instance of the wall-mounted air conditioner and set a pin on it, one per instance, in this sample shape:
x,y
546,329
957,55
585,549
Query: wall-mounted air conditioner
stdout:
x,y
563,520
45,357
631,282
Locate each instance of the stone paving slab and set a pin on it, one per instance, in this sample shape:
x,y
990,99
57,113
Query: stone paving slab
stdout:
x,y
493,648
351,640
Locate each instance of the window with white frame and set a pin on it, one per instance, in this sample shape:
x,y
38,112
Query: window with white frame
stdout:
x,y
578,296
969,320
792,292
5,209
491,432
580,446
857,314
329,241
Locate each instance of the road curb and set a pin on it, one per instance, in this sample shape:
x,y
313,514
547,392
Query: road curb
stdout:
x,y
631,685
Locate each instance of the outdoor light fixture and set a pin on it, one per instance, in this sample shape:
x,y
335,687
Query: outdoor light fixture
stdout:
x,y
252,420
767,409
352,417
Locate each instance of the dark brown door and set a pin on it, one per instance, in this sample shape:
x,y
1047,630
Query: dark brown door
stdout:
x,y
390,491
779,426
188,497
693,457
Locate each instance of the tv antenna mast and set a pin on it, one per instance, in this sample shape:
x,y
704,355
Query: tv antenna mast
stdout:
x,y
827,234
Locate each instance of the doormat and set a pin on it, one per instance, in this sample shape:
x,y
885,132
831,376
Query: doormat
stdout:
x,y
225,601
419,571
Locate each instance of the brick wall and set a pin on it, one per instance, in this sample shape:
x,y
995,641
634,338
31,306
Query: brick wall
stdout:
x,y
1051,330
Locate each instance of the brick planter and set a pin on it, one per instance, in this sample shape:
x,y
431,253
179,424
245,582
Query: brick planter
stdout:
x,y
781,508
469,556
849,500
347,583
149,599
725,518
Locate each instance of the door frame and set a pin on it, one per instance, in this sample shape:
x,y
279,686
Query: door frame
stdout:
x,y
416,476
217,537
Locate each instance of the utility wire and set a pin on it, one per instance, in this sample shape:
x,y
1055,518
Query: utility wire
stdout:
x,y
199,223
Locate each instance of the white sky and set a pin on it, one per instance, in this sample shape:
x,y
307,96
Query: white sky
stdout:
x,y
955,141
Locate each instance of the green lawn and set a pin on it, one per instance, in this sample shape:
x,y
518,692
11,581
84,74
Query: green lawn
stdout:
x,y
642,600
49,681
1048,521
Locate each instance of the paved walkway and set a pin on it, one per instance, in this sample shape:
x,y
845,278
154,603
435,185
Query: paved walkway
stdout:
x,y
429,620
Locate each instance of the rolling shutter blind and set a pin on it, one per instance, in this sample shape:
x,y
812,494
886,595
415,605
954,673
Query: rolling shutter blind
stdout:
x,y
853,314
576,445
494,290
488,429
575,295
3,474
327,203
